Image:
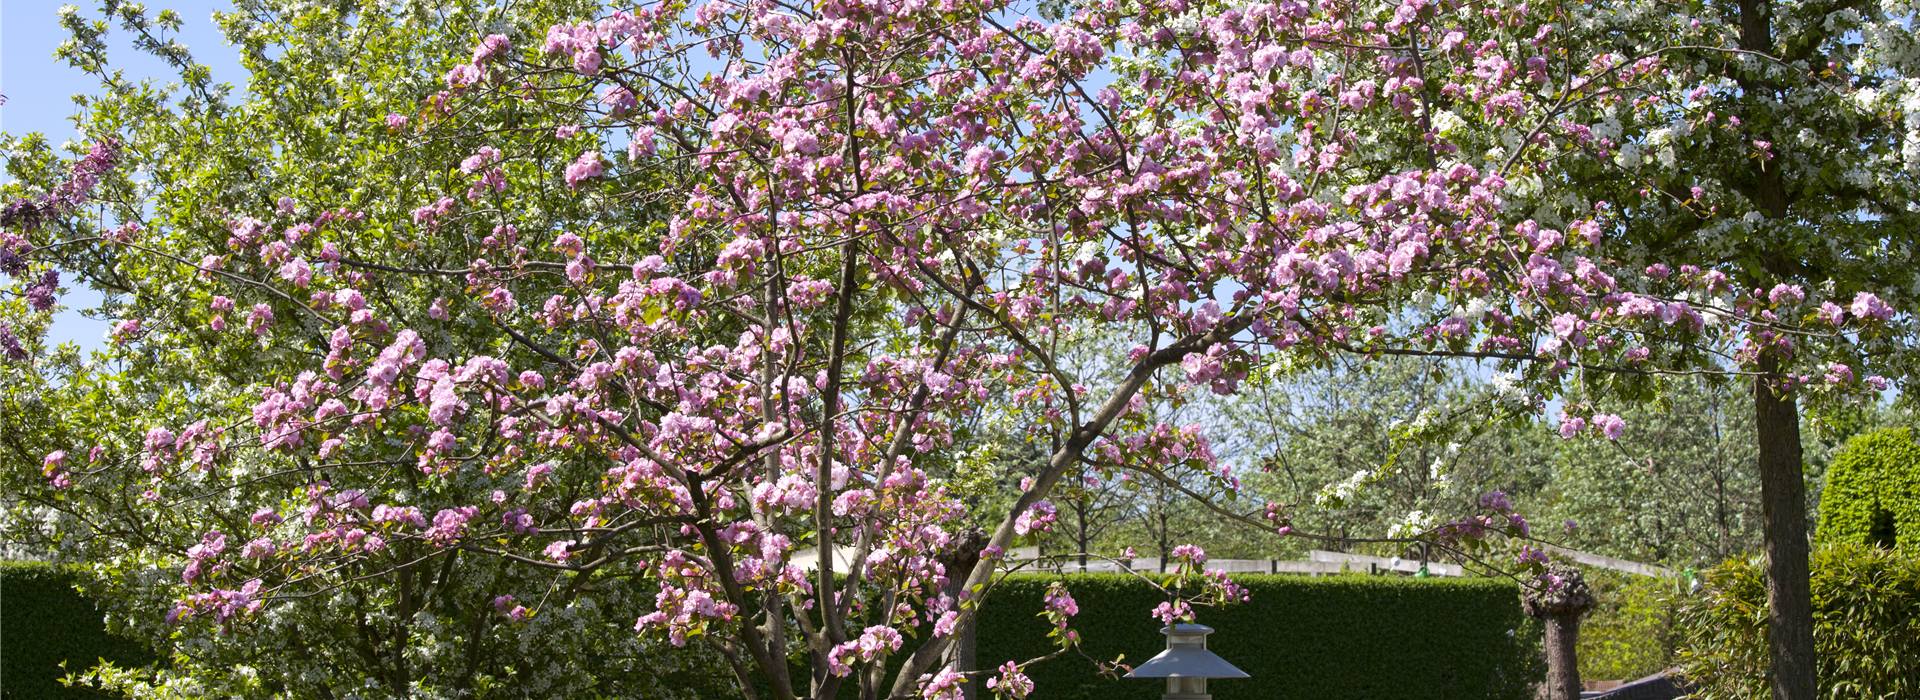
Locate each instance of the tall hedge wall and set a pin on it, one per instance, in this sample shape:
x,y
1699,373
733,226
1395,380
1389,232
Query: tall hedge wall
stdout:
x,y
1872,494
44,621
1333,638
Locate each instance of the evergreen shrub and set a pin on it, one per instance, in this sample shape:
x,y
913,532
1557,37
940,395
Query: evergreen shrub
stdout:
x,y
1866,608
1872,494
44,622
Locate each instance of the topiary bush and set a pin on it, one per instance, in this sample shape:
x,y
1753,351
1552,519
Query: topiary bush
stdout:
x,y
1332,638
1866,627
1872,494
44,622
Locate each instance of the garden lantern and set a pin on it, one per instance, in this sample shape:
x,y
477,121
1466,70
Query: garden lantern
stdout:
x,y
1186,664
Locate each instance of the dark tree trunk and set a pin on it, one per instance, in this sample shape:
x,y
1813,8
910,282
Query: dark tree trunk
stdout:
x,y
960,557
963,661
1563,663
1783,501
1783,508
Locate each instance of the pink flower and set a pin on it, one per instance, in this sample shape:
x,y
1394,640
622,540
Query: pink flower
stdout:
x,y
587,62
1565,325
1011,681
587,166
1839,374
537,475
1831,313
878,639
260,319
945,685
487,155
1171,612
462,76
125,331
945,625
1060,604
1571,425
1866,305
493,45
297,271
641,143
1038,517
1610,425
1190,553
518,613
259,548
978,159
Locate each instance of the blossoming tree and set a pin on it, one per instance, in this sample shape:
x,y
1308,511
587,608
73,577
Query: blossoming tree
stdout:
x,y
1779,147
676,291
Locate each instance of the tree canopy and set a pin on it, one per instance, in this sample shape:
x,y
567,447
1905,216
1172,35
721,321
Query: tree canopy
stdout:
x,y
671,293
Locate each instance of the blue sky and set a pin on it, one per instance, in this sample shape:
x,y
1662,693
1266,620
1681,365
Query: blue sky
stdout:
x,y
39,88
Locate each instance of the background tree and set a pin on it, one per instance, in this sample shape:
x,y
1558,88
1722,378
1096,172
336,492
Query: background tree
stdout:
x,y
1681,490
1383,446
1779,150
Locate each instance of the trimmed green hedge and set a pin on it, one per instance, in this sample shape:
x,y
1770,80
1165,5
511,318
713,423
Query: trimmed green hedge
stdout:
x,y
1332,638
1872,494
1866,610
44,621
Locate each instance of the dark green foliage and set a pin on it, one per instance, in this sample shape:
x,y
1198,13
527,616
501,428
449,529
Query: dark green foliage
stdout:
x,y
1331,638
1632,633
1866,603
1873,492
44,621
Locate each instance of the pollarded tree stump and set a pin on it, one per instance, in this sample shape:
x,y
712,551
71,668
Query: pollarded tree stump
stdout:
x,y
1560,603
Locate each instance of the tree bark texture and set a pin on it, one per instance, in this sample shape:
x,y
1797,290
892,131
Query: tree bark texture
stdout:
x,y
1783,508
1563,663
961,555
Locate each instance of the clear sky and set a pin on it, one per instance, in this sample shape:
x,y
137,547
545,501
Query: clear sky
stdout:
x,y
39,89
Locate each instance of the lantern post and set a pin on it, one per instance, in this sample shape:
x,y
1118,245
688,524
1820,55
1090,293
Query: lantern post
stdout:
x,y
1187,664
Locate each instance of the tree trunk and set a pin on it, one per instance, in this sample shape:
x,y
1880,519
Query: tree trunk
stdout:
x,y
1783,508
1563,663
1559,598
960,556
963,661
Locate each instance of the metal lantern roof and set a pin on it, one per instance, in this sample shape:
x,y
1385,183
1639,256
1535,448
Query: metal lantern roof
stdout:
x,y
1187,656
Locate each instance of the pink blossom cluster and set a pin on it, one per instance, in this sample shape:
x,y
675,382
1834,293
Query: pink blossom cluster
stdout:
x,y
1010,682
